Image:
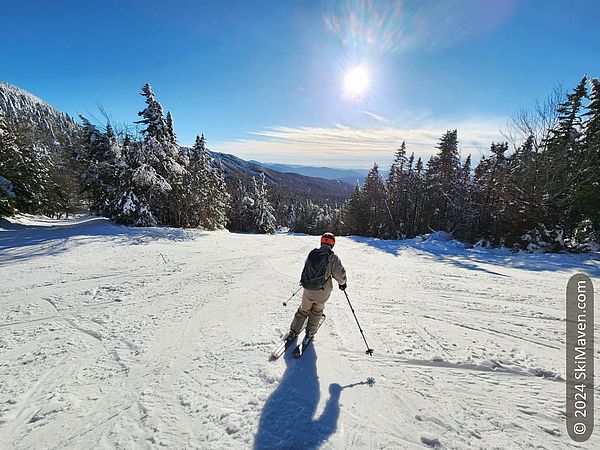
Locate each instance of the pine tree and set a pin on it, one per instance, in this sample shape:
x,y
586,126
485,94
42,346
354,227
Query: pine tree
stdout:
x,y
221,200
466,171
170,129
209,197
586,189
523,193
138,186
264,221
9,152
91,154
490,178
442,179
102,158
6,195
397,167
465,213
25,164
65,174
449,161
592,121
569,120
396,189
374,200
167,164
354,216
416,192
561,160
241,217
153,117
309,217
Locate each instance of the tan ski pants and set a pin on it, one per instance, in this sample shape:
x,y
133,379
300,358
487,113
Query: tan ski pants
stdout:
x,y
309,309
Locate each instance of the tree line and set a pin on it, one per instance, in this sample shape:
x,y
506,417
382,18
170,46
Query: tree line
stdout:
x,y
543,195
151,181
141,181
35,176
542,192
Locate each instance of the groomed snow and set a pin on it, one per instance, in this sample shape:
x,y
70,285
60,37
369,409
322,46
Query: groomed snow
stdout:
x,y
116,337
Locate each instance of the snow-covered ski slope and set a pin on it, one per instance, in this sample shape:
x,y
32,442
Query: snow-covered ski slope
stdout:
x,y
115,337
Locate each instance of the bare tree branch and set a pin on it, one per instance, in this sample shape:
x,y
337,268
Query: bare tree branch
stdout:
x,y
537,122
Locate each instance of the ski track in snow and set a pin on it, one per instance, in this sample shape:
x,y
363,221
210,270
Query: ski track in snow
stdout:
x,y
114,337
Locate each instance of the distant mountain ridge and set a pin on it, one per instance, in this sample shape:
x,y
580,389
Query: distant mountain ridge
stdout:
x,y
298,183
349,176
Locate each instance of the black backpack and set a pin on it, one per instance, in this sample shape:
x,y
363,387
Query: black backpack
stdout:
x,y
314,273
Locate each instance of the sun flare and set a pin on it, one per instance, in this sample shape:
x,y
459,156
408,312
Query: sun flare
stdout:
x,y
356,81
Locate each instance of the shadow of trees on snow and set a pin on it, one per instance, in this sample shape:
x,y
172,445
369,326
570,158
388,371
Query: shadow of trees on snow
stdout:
x,y
455,253
20,242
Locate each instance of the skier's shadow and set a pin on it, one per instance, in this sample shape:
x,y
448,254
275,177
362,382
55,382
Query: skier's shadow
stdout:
x,y
287,420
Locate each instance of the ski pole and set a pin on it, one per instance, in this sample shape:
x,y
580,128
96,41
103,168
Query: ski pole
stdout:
x,y
286,302
369,350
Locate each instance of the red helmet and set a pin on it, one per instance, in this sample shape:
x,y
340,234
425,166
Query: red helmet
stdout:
x,y
328,239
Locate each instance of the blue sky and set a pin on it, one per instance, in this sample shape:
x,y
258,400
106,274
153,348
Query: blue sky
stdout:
x,y
265,79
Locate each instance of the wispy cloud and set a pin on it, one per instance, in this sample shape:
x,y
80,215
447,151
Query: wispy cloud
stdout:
x,y
344,146
378,118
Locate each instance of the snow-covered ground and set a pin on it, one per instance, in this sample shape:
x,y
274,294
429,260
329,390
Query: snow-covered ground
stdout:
x,y
145,338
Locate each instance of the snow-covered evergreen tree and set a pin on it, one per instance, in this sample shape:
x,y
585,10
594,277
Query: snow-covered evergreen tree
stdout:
x,y
416,192
119,181
8,152
135,187
562,157
592,119
6,194
133,182
354,214
374,200
443,177
170,128
26,165
264,221
309,217
208,193
165,164
221,200
490,179
250,209
153,117
102,159
366,212
585,194
466,171
5,145
396,189
241,215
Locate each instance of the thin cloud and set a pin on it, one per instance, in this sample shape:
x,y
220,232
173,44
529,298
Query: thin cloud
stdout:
x,y
378,117
344,146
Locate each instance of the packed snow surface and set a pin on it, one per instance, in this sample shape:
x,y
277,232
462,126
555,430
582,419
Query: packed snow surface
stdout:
x,y
116,337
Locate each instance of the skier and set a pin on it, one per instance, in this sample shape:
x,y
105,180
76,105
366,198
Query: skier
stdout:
x,y
319,268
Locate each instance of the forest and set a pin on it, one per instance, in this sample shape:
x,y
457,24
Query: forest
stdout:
x,y
538,190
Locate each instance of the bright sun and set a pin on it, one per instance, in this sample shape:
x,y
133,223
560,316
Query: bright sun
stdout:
x,y
356,81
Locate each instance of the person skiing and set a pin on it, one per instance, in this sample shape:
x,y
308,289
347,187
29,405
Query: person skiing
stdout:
x,y
320,267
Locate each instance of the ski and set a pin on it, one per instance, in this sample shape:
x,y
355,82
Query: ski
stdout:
x,y
286,341
283,345
300,348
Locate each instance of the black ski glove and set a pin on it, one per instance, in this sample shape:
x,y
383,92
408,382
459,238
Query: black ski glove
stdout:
x,y
343,286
